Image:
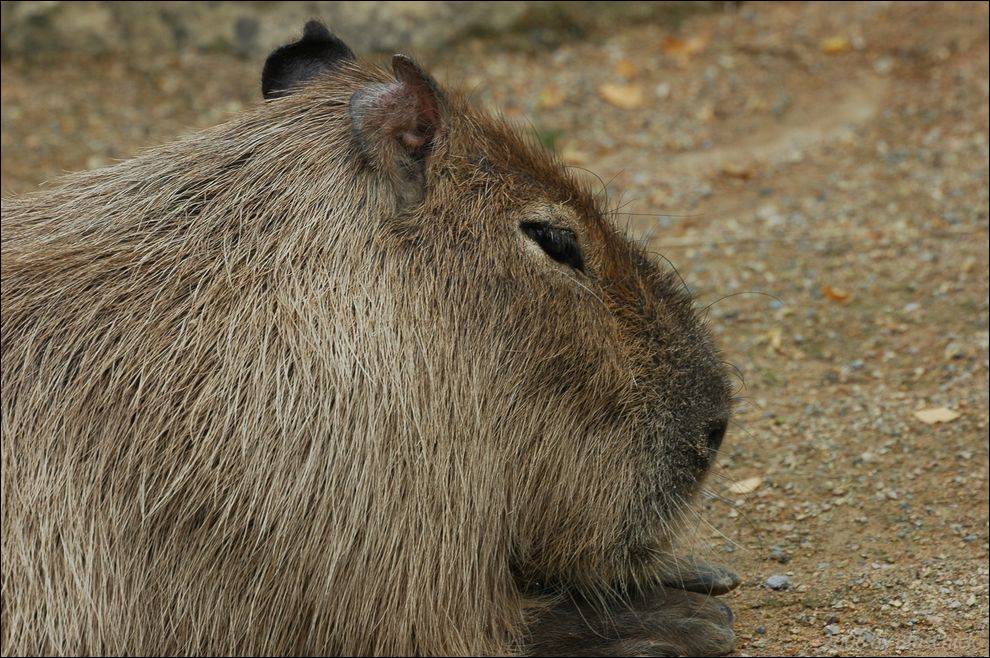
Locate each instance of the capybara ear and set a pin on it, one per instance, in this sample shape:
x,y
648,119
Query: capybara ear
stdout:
x,y
396,123
295,63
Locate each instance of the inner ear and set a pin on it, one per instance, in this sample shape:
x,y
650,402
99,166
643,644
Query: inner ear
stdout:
x,y
406,111
424,96
294,64
396,123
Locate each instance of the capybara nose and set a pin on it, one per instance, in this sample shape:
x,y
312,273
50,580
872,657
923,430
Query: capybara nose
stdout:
x,y
716,433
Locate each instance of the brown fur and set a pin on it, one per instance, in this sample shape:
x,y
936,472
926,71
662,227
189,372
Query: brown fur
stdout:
x,y
255,400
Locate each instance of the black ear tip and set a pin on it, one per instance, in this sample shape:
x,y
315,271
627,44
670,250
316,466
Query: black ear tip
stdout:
x,y
316,30
295,63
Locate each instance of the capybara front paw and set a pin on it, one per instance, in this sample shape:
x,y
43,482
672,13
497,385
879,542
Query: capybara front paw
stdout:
x,y
666,622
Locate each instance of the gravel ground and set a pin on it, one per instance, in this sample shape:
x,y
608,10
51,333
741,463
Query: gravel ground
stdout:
x,y
819,176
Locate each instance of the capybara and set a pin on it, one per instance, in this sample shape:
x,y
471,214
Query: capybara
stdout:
x,y
363,370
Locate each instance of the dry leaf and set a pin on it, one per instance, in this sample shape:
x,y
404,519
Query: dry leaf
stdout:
x,y
835,45
775,337
837,294
746,486
625,68
551,97
936,415
705,113
627,97
737,171
683,49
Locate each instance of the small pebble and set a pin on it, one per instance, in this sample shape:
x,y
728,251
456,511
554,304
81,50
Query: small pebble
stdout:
x,y
778,582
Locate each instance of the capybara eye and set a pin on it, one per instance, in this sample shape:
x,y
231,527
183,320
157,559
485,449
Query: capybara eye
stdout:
x,y
559,244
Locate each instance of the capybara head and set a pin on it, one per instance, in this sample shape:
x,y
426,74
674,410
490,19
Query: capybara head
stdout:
x,y
363,353
581,364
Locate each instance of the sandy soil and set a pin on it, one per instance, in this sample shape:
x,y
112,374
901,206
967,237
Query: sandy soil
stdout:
x,y
818,174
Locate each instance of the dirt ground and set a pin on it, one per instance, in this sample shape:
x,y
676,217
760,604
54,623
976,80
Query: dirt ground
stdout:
x,y
818,174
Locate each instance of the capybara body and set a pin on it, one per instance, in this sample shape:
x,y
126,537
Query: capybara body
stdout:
x,y
361,371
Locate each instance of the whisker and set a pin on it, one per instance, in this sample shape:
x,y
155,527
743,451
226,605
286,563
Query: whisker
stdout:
x,y
737,294
601,181
738,373
662,214
833,239
687,288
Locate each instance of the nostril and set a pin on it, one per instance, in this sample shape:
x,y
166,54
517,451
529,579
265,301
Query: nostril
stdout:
x,y
716,433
